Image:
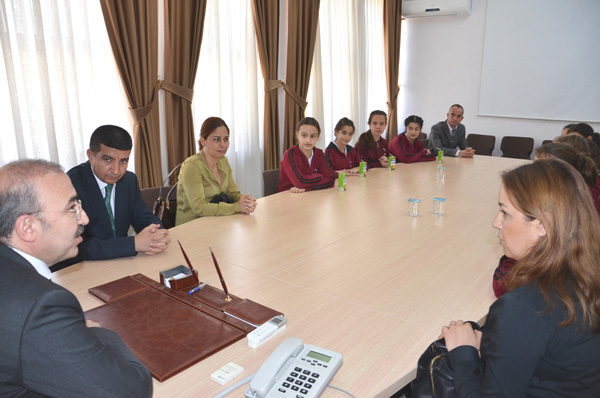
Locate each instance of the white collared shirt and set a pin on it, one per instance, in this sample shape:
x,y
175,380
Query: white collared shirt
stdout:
x,y
40,266
102,185
450,129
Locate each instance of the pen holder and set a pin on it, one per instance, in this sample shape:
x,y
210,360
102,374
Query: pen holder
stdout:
x,y
187,282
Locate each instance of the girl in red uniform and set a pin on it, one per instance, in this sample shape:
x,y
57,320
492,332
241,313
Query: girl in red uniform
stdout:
x,y
303,167
371,146
406,147
340,156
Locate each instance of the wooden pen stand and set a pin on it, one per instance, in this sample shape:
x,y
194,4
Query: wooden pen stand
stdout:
x,y
187,282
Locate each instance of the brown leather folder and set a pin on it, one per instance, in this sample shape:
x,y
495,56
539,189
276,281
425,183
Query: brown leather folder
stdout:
x,y
170,330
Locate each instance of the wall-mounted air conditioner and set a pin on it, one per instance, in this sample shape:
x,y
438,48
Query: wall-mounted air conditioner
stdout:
x,y
435,8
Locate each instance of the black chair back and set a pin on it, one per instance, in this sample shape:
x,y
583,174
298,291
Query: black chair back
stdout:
x,y
516,147
483,144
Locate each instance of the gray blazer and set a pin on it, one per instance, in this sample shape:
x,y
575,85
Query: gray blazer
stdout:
x,y
46,349
441,139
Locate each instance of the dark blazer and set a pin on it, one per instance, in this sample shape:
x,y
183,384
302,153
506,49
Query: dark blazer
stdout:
x,y
440,138
46,349
130,210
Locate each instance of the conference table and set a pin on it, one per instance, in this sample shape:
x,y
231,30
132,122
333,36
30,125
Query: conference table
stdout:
x,y
351,271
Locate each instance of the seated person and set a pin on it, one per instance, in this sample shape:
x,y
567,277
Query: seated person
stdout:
x,y
586,131
584,165
583,146
48,349
567,128
541,338
450,135
110,195
371,146
206,186
340,156
406,147
303,167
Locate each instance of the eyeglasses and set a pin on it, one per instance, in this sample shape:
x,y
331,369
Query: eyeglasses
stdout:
x,y
76,208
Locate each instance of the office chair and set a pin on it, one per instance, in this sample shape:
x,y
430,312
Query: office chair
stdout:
x,y
270,181
517,147
483,144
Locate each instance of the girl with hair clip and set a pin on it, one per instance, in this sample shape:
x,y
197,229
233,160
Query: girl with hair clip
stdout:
x,y
371,146
406,147
542,338
206,185
303,167
584,165
340,156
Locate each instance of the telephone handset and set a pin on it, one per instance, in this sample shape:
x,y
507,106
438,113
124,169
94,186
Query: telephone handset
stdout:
x,y
294,369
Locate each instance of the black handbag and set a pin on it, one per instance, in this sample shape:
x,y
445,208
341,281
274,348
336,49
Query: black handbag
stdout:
x,y
434,372
222,197
165,207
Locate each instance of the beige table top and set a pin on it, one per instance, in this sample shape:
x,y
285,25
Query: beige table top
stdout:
x,y
351,271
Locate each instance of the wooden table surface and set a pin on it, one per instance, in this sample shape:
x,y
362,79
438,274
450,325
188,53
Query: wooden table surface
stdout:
x,y
351,271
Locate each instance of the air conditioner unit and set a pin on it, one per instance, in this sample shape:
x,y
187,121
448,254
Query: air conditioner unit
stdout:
x,y
435,8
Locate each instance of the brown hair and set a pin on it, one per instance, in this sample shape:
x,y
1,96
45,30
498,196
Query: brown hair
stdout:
x,y
582,145
209,126
566,262
310,121
583,164
366,139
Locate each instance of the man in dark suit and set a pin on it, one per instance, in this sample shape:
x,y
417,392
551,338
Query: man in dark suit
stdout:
x,y
111,197
46,347
450,135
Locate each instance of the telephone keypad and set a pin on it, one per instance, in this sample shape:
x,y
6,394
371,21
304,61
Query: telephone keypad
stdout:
x,y
300,380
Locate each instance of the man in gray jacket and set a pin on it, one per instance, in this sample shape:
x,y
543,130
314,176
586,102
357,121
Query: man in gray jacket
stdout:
x,y
450,135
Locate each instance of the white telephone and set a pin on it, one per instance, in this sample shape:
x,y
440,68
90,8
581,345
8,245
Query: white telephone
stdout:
x,y
294,370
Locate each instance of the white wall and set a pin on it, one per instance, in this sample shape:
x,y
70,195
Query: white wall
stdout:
x,y
441,64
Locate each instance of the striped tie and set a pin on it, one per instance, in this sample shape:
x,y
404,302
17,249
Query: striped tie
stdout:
x,y
108,191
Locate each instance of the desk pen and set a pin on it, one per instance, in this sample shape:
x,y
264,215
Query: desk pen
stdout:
x,y
189,263
194,290
227,296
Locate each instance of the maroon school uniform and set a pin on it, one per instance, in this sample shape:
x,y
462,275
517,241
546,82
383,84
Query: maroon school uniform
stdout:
x,y
409,153
372,155
596,195
296,172
339,161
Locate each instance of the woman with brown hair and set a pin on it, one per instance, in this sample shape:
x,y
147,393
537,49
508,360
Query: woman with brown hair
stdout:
x,y
206,186
542,338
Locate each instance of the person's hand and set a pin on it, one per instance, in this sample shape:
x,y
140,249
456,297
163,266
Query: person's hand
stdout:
x,y
466,153
297,190
350,172
384,161
152,240
428,152
248,204
459,333
91,324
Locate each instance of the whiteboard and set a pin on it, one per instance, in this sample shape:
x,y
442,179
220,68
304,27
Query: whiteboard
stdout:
x,y
541,60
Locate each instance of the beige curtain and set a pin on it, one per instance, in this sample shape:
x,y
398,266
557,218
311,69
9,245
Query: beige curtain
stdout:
x,y
132,31
266,23
303,17
184,24
392,20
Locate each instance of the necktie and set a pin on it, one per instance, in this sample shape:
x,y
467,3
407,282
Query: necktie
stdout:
x,y
453,132
108,191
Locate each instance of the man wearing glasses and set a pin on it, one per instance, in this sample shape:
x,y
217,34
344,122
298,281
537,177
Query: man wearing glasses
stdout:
x,y
111,197
46,348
